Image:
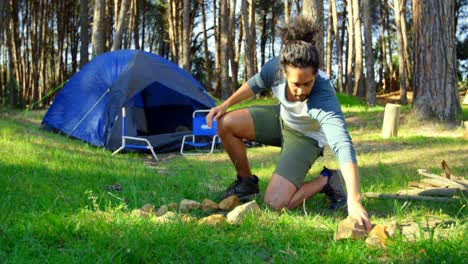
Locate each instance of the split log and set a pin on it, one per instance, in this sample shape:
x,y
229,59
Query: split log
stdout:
x,y
436,183
437,177
391,121
421,185
407,197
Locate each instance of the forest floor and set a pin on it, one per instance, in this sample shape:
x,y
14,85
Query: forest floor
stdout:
x,y
56,204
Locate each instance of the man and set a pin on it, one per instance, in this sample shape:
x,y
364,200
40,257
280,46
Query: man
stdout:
x,y
308,117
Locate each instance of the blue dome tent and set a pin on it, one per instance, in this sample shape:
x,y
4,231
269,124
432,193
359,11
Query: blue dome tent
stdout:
x,y
159,98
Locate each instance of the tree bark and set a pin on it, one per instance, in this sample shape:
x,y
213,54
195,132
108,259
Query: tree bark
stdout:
x,y
358,65
370,76
350,49
401,61
313,10
248,41
406,50
329,46
98,41
121,26
84,39
287,10
384,70
224,58
434,69
208,68
339,48
185,60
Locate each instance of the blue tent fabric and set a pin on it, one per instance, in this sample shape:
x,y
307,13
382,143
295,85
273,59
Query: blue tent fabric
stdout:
x,y
156,93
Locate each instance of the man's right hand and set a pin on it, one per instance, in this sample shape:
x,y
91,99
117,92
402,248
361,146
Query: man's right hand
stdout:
x,y
216,113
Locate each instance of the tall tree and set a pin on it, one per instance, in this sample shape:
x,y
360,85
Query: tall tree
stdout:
x,y
249,41
350,50
338,44
434,68
370,76
397,7
84,39
313,10
121,25
329,46
186,33
208,69
98,40
224,55
358,64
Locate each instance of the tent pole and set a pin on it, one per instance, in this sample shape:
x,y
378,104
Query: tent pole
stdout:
x,y
89,111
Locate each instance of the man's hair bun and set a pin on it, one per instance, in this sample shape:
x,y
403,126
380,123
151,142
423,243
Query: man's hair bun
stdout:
x,y
297,29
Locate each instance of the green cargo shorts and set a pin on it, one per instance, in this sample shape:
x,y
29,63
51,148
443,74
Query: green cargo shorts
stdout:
x,y
298,152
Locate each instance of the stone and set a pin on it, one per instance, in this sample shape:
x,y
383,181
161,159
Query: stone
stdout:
x,y
374,241
240,212
208,204
162,210
212,219
350,228
173,206
139,212
168,217
188,218
392,228
186,205
229,203
378,237
147,208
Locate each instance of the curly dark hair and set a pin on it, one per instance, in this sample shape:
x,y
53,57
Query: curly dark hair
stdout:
x,y
298,39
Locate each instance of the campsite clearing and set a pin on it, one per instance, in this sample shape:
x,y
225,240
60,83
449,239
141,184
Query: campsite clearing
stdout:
x,y
54,204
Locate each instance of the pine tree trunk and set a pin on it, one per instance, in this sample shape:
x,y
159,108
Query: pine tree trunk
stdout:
x,y
234,62
358,65
98,40
172,30
343,43
339,47
84,39
329,46
434,69
248,41
350,50
384,70
404,33
225,83
401,60
185,60
287,10
121,26
208,68
313,9
370,76
137,21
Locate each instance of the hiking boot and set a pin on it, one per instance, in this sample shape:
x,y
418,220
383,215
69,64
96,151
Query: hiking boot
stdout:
x,y
244,188
335,188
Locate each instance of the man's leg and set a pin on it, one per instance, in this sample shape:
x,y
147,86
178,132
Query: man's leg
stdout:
x,y
232,128
282,193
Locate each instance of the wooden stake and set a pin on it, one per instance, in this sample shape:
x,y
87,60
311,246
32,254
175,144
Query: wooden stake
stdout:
x,y
446,169
391,121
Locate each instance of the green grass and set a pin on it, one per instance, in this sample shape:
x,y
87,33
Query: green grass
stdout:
x,y
54,206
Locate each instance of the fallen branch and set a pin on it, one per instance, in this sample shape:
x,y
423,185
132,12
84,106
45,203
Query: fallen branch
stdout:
x,y
437,177
406,197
